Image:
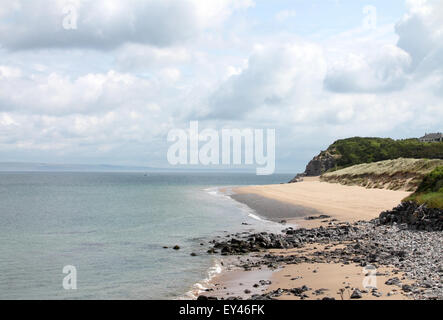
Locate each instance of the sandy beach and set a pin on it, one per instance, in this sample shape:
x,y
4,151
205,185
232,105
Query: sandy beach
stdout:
x,y
294,203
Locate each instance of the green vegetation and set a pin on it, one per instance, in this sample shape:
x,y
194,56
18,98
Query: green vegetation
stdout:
x,y
386,163
405,174
430,190
352,151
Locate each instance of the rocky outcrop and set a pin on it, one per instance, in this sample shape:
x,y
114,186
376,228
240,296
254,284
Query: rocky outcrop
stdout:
x,y
417,217
290,238
317,166
298,178
320,164
253,243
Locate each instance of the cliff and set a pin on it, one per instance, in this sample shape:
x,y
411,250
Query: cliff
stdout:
x,y
352,151
321,163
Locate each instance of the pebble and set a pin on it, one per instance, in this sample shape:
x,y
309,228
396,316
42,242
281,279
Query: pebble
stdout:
x,y
356,294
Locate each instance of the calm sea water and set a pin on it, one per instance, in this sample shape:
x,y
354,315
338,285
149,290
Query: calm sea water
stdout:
x,y
112,227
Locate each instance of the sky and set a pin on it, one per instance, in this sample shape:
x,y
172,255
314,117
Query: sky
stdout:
x,y
104,81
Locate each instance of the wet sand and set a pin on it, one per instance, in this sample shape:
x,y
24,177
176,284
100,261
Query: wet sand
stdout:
x,y
272,209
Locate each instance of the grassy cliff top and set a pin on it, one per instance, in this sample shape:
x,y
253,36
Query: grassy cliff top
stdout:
x,y
389,168
430,191
352,151
397,174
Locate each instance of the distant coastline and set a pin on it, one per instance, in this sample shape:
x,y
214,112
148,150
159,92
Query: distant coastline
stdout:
x,y
66,167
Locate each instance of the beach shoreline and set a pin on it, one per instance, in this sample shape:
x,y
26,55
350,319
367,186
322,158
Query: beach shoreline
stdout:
x,y
312,197
309,204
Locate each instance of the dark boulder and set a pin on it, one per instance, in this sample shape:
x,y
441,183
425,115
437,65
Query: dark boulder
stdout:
x,y
356,294
415,216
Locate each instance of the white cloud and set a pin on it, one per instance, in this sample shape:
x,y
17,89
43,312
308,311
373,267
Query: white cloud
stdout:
x,y
417,54
170,74
274,76
385,71
9,72
59,94
421,33
6,120
136,57
106,24
215,12
284,15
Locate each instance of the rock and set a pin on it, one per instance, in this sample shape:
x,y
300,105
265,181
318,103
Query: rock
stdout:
x,y
226,250
356,294
299,291
393,281
415,216
247,291
176,247
262,297
319,292
406,288
429,296
377,294
193,254
320,164
234,298
298,178
323,216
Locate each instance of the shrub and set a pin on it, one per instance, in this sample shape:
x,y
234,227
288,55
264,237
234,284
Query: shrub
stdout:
x,y
430,191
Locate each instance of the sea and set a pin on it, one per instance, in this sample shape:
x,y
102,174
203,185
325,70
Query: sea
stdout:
x,y
67,235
